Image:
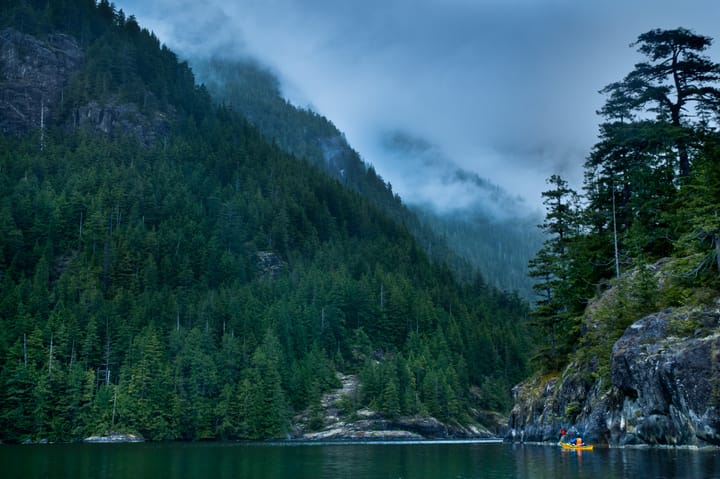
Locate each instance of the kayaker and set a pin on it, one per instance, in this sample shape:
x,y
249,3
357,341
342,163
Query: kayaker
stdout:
x,y
563,433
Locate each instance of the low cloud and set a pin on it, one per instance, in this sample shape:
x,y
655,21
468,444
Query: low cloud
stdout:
x,y
428,178
506,90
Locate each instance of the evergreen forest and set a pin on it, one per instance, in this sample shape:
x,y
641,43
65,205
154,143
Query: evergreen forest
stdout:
x,y
646,224
206,283
469,240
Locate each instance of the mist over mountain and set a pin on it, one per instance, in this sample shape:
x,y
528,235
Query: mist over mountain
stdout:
x,y
489,230
430,178
626,322
492,229
507,89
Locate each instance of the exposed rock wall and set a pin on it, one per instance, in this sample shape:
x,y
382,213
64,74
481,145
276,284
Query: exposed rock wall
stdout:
x,y
665,388
670,385
33,75
115,119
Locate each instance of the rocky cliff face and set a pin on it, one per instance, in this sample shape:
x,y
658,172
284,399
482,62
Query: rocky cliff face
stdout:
x,y
670,385
664,390
115,119
34,74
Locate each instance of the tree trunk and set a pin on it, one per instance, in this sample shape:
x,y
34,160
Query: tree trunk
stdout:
x,y
716,240
684,158
680,143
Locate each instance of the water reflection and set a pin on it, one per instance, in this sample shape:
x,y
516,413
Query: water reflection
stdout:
x,y
367,461
541,462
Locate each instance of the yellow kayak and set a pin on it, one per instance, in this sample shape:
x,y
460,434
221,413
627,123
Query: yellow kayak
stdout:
x,y
575,447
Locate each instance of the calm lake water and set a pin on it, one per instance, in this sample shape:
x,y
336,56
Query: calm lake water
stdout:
x,y
369,460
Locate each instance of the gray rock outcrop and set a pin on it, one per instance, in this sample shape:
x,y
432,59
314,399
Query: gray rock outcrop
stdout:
x,y
664,390
114,438
114,118
670,385
33,76
340,423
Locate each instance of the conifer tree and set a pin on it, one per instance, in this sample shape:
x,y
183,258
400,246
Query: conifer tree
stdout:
x,y
130,293
676,82
701,214
552,268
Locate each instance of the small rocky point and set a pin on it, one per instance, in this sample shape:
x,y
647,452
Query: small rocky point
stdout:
x,y
364,424
114,437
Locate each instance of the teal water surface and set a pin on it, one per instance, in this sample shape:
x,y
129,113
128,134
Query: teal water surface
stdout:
x,y
348,460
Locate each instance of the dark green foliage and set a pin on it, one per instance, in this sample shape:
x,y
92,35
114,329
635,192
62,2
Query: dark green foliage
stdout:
x,y
265,412
700,238
209,285
553,267
675,82
499,248
651,194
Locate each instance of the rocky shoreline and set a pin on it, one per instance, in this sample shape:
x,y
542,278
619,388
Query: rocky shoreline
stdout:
x,y
113,438
365,424
663,391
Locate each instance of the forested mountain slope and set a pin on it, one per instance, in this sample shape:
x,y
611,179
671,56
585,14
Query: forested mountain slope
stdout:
x,y
471,240
499,248
165,270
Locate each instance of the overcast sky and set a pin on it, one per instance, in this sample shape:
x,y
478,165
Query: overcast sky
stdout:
x,y
507,89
